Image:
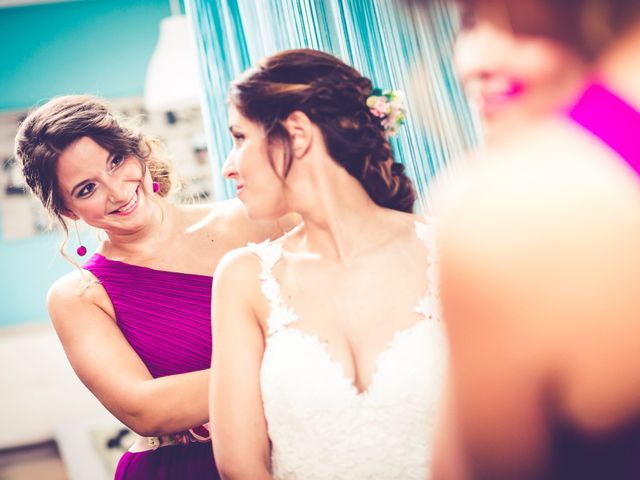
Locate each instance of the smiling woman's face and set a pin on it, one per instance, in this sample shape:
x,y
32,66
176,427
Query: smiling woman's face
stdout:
x,y
509,75
102,189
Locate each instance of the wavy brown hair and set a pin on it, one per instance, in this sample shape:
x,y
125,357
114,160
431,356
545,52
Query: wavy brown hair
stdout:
x,y
333,95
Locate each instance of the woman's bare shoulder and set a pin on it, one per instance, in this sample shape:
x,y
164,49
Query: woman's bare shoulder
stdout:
x,y
76,291
208,212
239,262
224,217
238,278
73,286
405,225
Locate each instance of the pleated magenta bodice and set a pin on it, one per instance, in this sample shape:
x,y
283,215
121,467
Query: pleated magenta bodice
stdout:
x,y
165,316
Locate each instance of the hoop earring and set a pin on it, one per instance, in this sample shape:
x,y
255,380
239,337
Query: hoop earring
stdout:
x,y
156,187
81,250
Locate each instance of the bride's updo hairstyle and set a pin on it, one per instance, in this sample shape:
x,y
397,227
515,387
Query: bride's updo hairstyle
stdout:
x,y
333,95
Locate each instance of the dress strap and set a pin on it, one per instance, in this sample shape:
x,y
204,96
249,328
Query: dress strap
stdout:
x,y
280,315
609,118
429,304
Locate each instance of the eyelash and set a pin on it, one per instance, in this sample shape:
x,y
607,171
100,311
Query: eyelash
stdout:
x,y
237,137
83,193
116,161
116,157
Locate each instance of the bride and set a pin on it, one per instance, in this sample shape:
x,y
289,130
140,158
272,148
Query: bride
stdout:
x,y
328,355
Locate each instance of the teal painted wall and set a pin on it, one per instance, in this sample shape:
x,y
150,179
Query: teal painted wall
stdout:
x,y
28,268
91,46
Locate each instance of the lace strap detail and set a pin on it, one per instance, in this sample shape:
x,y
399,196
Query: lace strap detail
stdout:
x,y
429,304
280,315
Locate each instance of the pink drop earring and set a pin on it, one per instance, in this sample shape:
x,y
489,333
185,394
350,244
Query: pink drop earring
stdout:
x,y
156,187
81,250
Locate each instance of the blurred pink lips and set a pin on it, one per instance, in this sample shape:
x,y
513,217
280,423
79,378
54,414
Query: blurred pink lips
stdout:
x,y
491,100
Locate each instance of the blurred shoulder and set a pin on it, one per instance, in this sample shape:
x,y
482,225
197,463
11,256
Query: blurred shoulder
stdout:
x,y
551,178
549,222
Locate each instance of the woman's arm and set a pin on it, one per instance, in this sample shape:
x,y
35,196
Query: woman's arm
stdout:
x,y
240,438
105,362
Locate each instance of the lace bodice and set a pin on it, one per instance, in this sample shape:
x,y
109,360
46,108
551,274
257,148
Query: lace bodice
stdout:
x,y
319,425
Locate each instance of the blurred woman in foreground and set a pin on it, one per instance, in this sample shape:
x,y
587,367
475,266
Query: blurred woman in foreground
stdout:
x,y
540,274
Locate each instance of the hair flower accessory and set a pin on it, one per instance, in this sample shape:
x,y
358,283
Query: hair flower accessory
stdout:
x,y
388,105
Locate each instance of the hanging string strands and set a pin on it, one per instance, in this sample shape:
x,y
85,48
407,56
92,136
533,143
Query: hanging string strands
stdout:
x,y
399,47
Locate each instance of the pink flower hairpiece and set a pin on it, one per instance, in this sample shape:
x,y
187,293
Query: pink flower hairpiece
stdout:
x,y
388,105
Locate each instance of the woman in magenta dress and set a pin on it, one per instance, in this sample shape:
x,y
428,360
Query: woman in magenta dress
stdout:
x,y
135,319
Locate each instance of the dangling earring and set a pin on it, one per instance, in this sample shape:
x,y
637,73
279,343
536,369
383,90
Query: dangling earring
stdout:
x,y
81,250
156,187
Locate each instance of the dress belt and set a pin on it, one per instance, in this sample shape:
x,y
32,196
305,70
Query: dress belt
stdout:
x,y
198,434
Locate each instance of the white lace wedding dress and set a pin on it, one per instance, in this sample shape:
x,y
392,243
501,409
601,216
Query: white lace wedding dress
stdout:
x,y
319,425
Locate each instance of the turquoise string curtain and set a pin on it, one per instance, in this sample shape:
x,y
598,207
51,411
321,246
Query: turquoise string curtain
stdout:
x,y
398,46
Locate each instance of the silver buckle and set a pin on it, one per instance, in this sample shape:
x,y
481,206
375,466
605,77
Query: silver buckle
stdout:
x,y
154,442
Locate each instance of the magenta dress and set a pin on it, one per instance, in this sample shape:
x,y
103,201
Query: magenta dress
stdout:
x,y
166,317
